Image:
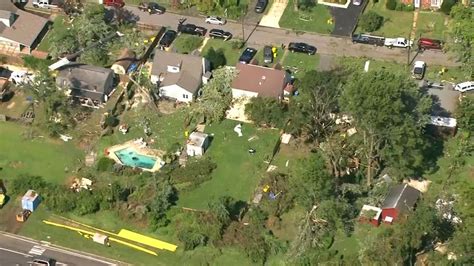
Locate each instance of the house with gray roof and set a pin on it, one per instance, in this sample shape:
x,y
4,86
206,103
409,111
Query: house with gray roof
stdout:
x,y
400,199
20,31
90,85
179,76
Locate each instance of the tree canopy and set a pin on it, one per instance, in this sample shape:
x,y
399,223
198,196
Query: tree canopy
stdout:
x,y
461,31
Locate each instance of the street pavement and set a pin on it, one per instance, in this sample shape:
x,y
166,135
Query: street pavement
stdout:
x,y
259,36
17,250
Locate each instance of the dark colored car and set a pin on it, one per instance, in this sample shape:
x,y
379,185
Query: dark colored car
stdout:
x,y
247,55
368,39
114,3
261,5
151,7
425,43
192,29
41,260
220,34
167,39
301,47
267,54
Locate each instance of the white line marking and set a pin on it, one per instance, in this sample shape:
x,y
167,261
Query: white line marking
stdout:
x,y
16,252
37,250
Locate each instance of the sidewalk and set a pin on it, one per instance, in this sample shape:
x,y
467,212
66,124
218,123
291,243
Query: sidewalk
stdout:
x,y
273,16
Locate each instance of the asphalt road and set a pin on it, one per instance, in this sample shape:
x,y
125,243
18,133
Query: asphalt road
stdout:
x,y
258,36
16,250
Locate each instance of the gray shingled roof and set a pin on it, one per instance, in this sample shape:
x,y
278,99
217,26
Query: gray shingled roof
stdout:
x,y
401,197
85,77
190,75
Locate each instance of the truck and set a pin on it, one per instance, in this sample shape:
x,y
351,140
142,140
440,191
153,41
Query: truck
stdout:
x,y
368,39
397,42
46,3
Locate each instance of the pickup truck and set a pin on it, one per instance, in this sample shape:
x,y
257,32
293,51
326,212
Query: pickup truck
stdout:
x,y
397,42
368,39
46,3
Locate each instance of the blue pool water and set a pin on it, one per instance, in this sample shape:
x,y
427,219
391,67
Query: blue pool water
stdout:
x,y
130,157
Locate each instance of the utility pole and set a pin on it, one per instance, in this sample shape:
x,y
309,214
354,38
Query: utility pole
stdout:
x,y
243,28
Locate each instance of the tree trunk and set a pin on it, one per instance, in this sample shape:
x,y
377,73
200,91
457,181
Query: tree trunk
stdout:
x,y
295,5
369,163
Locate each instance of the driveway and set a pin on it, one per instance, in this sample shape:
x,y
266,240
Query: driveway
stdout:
x,y
273,15
345,19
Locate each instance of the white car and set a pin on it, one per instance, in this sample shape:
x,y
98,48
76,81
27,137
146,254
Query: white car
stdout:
x,y
215,20
356,2
418,70
464,86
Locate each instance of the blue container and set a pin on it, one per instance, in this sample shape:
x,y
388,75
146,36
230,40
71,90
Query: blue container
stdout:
x,y
30,200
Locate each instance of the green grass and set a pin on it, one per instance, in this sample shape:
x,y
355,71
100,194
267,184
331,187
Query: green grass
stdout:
x,y
237,173
299,63
431,25
58,27
185,43
277,59
396,23
315,20
231,55
39,156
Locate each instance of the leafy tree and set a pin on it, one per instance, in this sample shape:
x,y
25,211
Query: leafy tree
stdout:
x,y
63,43
306,4
59,199
447,5
266,111
25,182
87,203
389,113
461,31
217,58
311,182
391,4
216,96
95,56
164,198
371,21
195,172
465,113
105,164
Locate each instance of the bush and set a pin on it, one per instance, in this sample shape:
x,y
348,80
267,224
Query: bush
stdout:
x,y
371,21
237,44
87,203
196,172
60,199
391,4
111,121
36,63
191,239
21,184
447,5
266,111
105,164
217,58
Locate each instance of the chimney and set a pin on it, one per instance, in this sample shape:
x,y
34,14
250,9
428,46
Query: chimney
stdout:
x,y
7,18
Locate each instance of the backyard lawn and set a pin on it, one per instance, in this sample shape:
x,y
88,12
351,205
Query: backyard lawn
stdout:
x,y
396,23
231,55
314,20
58,27
39,156
431,25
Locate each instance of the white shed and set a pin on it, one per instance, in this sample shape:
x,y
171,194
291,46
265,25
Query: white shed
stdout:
x,y
198,143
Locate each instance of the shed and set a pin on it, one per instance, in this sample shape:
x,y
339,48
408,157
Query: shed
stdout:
x,y
30,200
123,62
370,214
197,144
400,199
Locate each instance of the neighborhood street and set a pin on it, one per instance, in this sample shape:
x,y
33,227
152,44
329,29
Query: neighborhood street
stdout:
x,y
16,250
258,36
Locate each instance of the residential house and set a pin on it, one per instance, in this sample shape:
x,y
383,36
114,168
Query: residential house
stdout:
x,y
91,85
123,62
197,144
20,31
424,4
179,76
401,198
259,81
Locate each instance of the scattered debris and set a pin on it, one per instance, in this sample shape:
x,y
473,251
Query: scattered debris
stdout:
x,y
238,130
285,138
123,128
253,137
271,168
65,138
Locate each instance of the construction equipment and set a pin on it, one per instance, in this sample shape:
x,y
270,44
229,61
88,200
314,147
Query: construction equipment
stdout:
x,y
23,216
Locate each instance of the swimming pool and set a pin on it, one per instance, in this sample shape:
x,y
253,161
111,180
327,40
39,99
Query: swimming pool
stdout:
x,y
130,157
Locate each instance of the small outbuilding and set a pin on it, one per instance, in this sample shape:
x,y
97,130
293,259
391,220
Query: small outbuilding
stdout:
x,y
370,214
126,58
197,144
400,198
30,200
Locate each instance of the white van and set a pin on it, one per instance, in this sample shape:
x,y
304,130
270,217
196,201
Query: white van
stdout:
x,y
465,86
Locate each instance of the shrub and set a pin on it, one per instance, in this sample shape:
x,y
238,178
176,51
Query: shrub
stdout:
x,y
447,5
391,4
87,203
371,21
266,111
36,63
237,44
24,182
217,58
196,171
191,239
105,164
111,121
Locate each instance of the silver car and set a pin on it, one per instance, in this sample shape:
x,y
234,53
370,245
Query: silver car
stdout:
x,y
357,2
267,54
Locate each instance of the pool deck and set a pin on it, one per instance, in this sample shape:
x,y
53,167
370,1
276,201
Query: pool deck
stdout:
x,y
137,145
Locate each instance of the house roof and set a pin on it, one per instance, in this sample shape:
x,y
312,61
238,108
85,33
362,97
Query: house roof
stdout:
x,y
85,77
26,26
401,197
267,82
126,58
197,139
190,72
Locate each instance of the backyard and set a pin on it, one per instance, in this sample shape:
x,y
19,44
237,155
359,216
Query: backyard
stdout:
x,y
58,27
316,19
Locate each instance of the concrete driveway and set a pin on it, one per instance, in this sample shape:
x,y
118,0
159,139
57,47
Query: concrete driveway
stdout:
x,y
273,15
346,19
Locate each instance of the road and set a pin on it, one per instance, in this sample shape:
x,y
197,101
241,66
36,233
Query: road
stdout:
x,y
259,36
16,250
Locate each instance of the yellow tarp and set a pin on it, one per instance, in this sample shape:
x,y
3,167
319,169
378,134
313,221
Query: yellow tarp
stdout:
x,y
146,240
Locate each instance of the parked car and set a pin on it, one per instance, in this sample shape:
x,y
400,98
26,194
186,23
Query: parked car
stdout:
x,y
192,29
397,42
41,260
167,39
247,55
464,86
114,3
220,34
425,43
357,2
151,7
267,54
215,20
260,6
418,71
368,39
45,3
301,47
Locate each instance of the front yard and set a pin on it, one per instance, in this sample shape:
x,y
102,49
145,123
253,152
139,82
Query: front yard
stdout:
x,y
299,63
185,44
317,19
228,48
396,23
431,25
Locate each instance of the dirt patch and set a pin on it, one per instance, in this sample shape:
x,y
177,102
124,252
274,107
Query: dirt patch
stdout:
x,y
11,105
8,213
168,107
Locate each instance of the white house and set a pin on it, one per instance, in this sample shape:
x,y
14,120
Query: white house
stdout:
x,y
197,144
179,76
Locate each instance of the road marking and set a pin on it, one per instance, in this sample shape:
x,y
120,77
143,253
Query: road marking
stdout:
x,y
37,250
15,252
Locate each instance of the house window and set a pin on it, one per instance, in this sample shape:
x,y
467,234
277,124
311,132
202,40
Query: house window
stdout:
x,y
435,3
185,96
